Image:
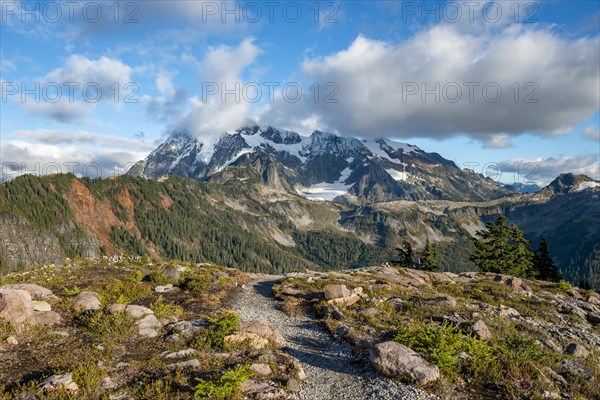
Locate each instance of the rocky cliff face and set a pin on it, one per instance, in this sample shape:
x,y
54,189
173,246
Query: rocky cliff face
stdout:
x,y
323,166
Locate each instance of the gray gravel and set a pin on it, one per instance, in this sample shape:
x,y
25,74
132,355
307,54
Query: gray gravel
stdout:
x,y
333,372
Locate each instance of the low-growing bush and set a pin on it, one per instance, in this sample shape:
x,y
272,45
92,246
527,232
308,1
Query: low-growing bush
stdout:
x,y
119,292
168,311
225,387
108,325
213,336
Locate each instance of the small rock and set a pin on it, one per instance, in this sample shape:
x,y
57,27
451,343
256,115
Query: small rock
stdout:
x,y
47,318
593,317
336,292
575,370
58,382
507,312
138,311
185,364
108,384
551,344
261,369
369,312
264,329
86,301
165,289
267,358
481,331
187,329
577,350
336,313
11,340
293,385
178,354
396,360
41,306
346,301
174,273
254,341
149,326
594,299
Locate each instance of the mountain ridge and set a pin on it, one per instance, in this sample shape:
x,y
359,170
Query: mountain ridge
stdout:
x,y
322,166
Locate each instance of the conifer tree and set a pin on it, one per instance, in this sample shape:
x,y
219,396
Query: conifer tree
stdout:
x,y
429,258
405,256
544,264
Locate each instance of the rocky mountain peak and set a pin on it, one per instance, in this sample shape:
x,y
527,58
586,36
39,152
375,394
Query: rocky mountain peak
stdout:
x,y
566,183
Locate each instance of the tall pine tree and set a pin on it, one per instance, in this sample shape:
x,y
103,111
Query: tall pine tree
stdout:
x,y
503,249
544,264
429,259
405,256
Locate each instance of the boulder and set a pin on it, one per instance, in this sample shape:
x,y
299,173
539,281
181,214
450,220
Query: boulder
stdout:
x,y
254,341
86,301
264,330
59,382
481,331
396,360
336,292
261,369
16,307
35,291
577,350
507,312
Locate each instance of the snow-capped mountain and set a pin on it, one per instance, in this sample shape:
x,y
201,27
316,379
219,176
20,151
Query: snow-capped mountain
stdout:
x,y
322,166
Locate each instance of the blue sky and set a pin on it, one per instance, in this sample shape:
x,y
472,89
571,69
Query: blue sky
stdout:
x,y
157,64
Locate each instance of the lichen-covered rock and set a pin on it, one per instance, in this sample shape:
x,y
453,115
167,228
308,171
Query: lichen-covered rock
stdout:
x,y
577,350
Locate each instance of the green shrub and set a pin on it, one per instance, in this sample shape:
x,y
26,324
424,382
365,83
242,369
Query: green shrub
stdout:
x,y
226,387
109,325
440,344
71,292
168,311
119,292
564,286
5,330
213,336
137,277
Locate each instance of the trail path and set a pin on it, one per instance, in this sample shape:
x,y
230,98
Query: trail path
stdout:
x,y
333,372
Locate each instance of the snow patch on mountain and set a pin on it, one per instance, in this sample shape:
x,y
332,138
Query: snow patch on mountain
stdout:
x,y
399,176
587,185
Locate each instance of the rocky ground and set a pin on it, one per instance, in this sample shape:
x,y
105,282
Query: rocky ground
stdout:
x,y
472,335
127,328
333,371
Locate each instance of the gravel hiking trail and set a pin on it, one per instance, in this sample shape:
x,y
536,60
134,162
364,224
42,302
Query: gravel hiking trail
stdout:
x,y
333,373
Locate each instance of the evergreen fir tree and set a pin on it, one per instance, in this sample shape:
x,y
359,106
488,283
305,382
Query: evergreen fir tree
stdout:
x,y
492,249
405,256
521,257
544,263
429,257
